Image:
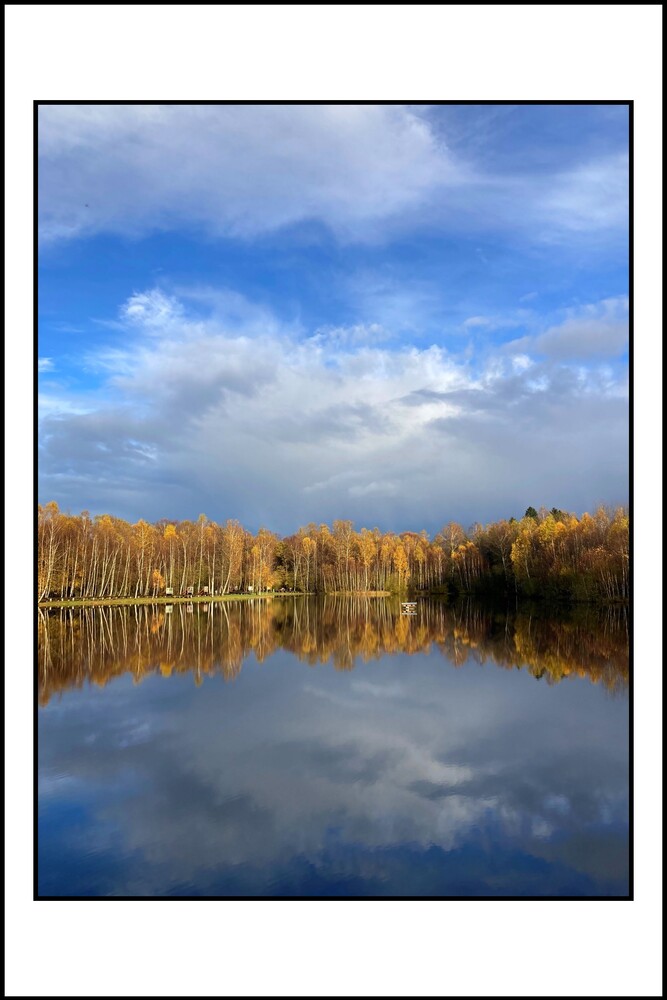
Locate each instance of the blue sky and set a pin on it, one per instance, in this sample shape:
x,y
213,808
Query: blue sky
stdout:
x,y
283,314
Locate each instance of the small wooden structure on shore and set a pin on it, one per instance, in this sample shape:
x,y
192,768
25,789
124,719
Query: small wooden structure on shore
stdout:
x,y
408,607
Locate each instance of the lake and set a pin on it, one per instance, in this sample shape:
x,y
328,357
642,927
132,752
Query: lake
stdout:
x,y
332,747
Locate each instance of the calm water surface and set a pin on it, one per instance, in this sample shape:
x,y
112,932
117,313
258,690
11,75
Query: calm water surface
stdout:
x,y
332,747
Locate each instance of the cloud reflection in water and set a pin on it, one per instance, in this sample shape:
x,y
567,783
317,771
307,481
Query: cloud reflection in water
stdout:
x,y
402,776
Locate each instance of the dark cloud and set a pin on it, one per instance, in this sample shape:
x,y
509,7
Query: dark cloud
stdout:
x,y
593,331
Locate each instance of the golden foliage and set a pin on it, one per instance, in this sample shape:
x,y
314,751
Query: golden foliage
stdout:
x,y
549,554
94,645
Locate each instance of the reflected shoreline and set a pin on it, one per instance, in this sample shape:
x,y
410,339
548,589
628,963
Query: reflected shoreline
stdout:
x,y
93,645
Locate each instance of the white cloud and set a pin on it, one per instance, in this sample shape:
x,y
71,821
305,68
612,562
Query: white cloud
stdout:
x,y
586,202
350,336
361,170
45,365
592,196
151,309
490,323
57,403
520,362
233,169
270,428
474,321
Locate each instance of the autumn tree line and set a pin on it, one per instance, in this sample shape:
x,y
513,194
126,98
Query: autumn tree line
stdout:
x,y
543,554
96,644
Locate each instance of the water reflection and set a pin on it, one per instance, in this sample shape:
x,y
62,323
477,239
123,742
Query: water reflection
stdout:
x,y
402,776
97,644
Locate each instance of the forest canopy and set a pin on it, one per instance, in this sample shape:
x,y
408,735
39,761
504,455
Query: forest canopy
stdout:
x,y
546,553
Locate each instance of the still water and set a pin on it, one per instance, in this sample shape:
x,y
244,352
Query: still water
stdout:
x,y
332,747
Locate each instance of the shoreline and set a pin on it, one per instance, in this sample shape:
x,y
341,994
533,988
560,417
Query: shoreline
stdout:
x,y
101,602
98,602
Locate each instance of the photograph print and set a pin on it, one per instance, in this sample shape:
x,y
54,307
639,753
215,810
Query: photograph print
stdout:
x,y
333,452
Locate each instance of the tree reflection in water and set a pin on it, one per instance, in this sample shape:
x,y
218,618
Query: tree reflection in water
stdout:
x,y
96,644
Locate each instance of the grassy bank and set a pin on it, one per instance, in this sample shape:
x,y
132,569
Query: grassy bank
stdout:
x,y
104,602
449,596
94,602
